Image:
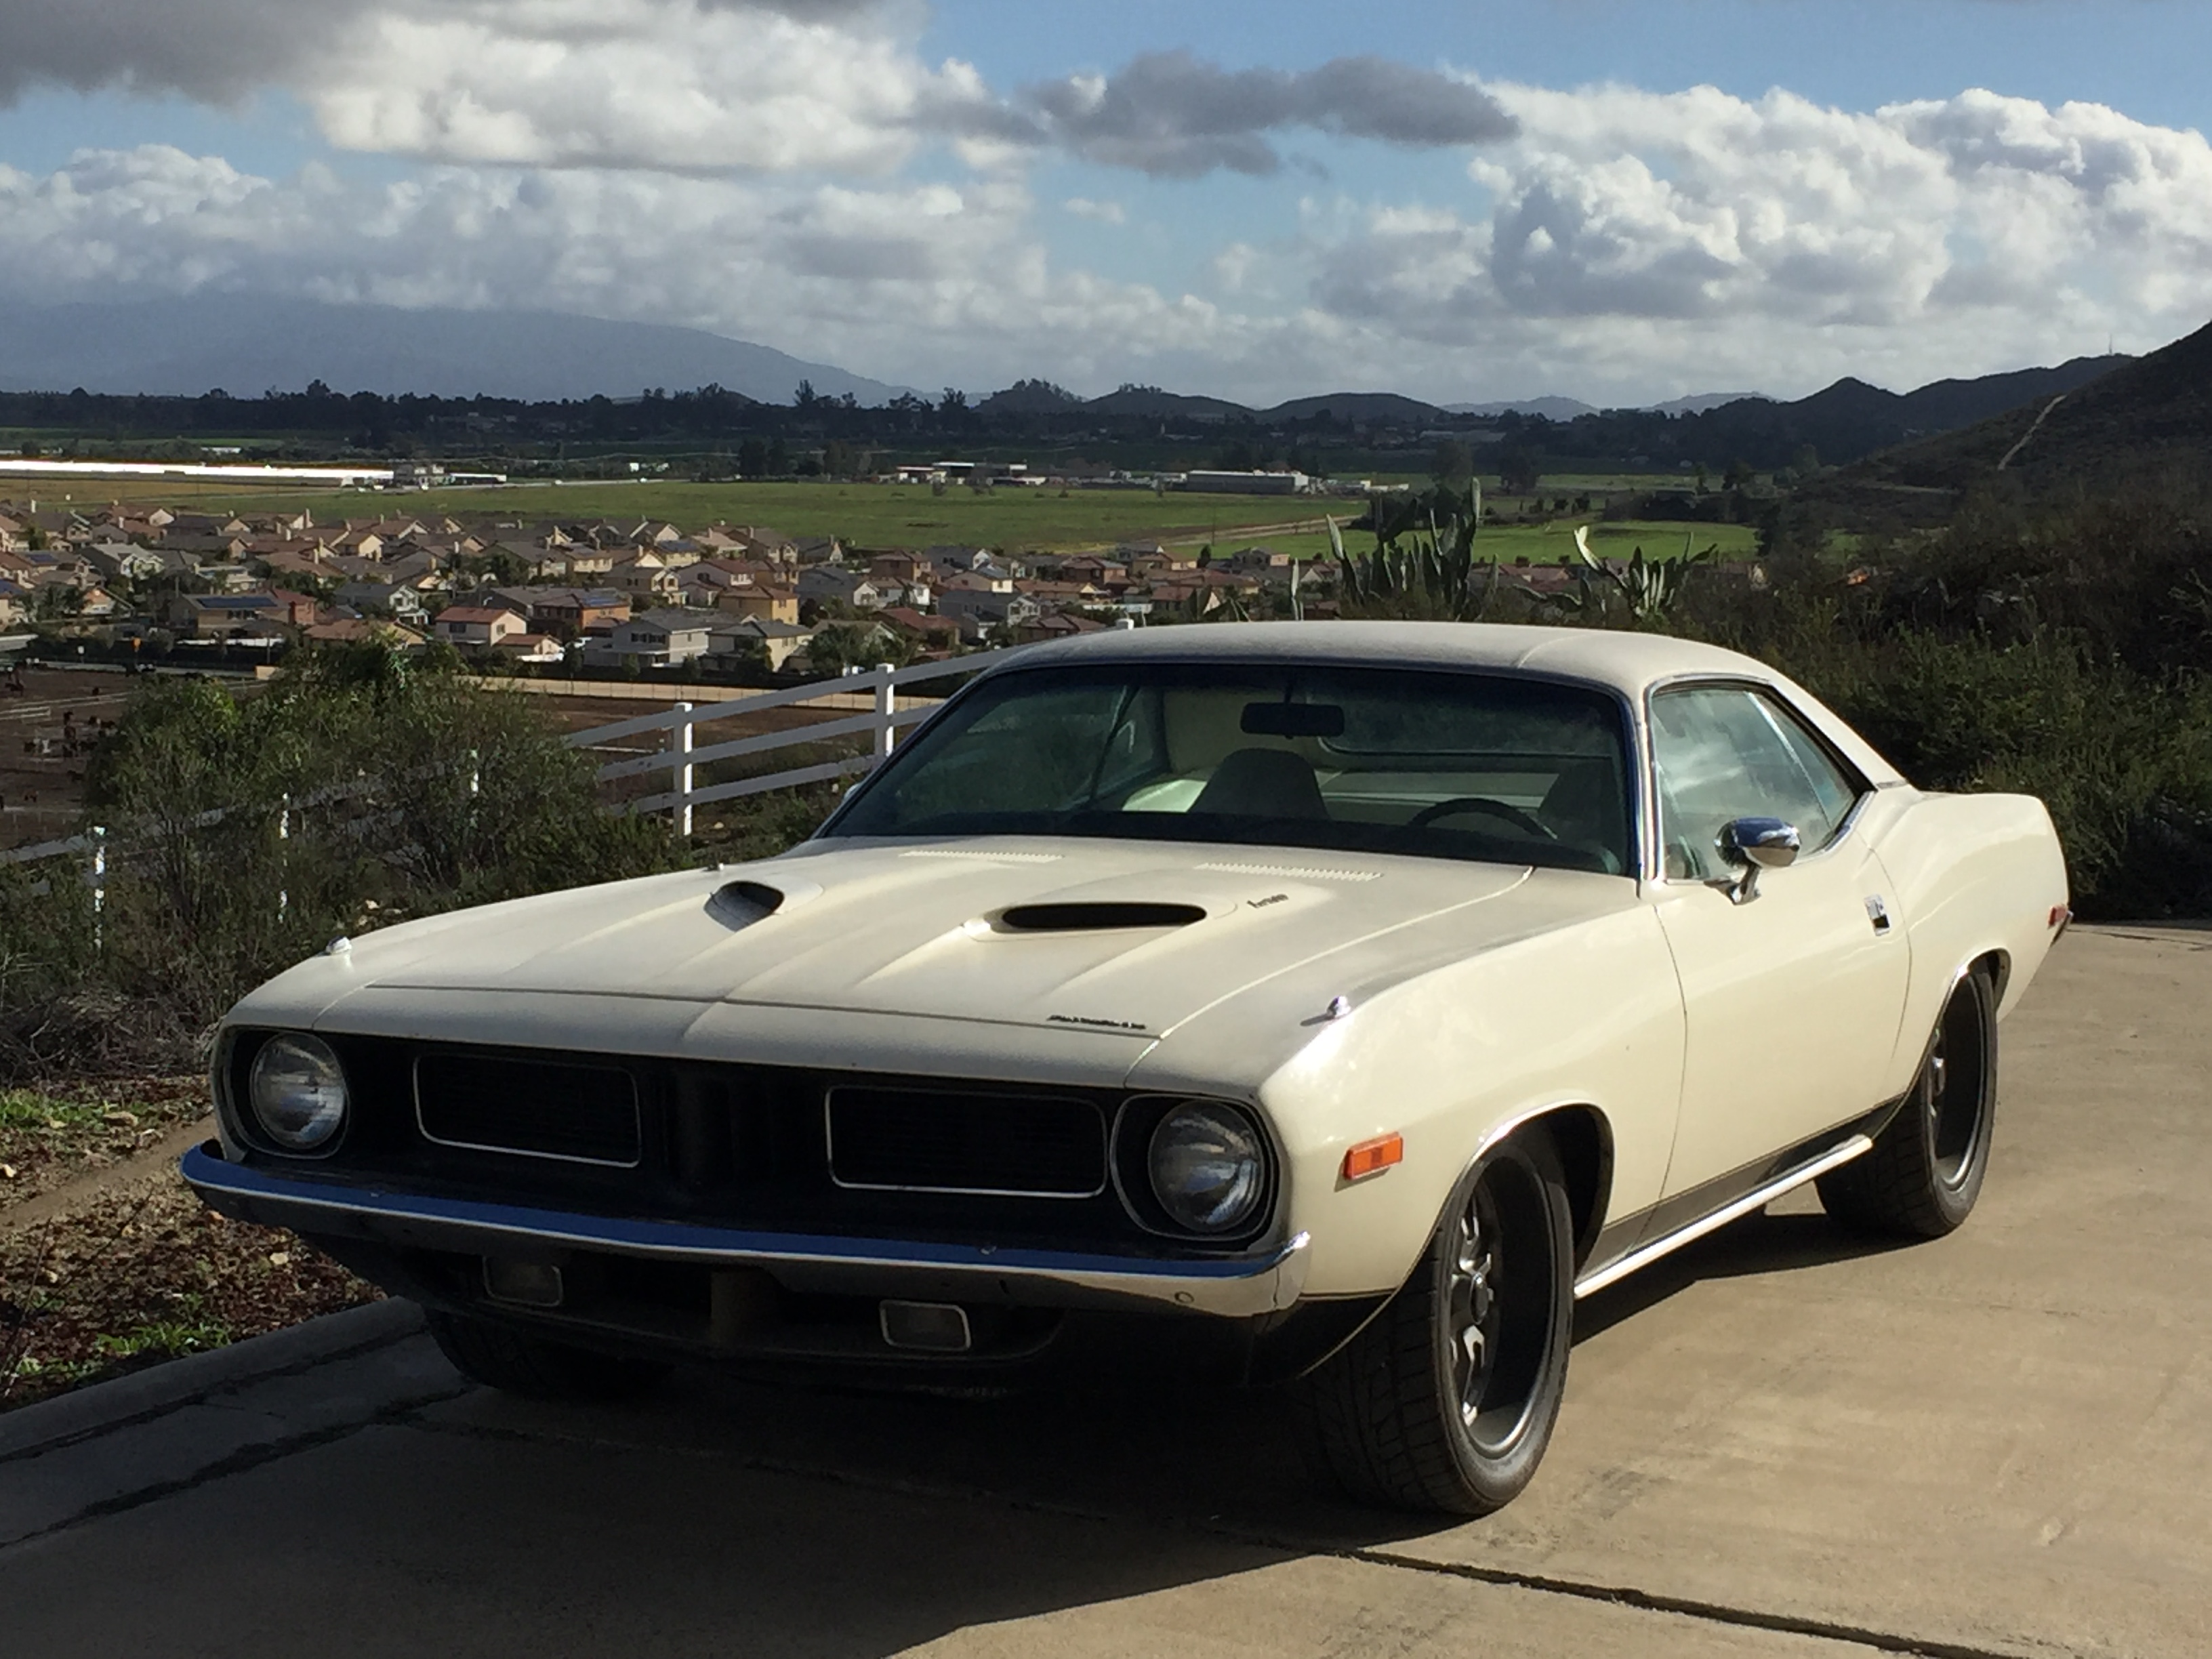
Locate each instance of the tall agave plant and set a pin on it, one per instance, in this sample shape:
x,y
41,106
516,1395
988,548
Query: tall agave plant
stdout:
x,y
1647,587
1426,571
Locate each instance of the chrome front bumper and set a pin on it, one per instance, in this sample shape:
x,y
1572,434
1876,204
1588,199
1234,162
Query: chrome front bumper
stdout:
x,y
802,1262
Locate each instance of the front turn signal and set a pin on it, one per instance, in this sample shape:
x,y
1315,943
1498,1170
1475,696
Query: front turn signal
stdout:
x,y
1372,1157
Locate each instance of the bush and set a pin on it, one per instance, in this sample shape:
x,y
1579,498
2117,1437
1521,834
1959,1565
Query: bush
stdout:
x,y
245,834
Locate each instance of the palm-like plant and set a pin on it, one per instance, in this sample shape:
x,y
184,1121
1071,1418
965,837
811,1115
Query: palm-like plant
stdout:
x,y
1648,587
1425,570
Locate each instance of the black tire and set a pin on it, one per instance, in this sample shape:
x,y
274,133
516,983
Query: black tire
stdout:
x,y
1925,1172
1387,1419
514,1362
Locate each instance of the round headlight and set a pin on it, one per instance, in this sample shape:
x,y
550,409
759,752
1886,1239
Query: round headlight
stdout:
x,y
298,1092
1208,1167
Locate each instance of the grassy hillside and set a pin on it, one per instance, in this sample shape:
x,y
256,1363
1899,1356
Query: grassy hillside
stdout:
x,y
2154,412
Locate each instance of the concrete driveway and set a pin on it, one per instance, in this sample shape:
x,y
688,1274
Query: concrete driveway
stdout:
x,y
1779,1444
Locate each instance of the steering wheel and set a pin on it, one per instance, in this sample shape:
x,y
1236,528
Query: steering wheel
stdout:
x,y
1496,809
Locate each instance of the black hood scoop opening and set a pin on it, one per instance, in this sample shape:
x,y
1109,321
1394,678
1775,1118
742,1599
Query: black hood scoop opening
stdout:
x,y
740,903
1095,915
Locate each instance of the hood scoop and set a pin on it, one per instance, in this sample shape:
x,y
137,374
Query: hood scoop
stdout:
x,y
1095,915
737,904
740,903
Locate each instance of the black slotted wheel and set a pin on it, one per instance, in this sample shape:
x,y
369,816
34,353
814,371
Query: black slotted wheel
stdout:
x,y
1925,1172
1447,1400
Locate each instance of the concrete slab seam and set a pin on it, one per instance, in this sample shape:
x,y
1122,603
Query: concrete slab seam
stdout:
x,y
224,1381
1718,1613
242,1461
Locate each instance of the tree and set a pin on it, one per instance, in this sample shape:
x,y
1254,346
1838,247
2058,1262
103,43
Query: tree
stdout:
x,y
752,458
1739,474
1518,472
1454,464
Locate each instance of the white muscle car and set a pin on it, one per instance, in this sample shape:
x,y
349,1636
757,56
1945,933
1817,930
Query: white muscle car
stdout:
x,y
1330,1002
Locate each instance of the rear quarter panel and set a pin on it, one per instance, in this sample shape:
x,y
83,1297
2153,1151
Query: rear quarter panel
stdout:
x,y
1972,876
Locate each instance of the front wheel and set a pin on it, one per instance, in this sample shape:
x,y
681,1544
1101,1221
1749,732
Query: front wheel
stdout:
x,y
1925,1172
1447,1400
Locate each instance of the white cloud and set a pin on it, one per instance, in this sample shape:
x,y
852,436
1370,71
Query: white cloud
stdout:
x,y
1106,213
665,84
923,282
1790,242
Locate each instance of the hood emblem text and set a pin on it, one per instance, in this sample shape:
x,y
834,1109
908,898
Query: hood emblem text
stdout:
x,y
1102,1025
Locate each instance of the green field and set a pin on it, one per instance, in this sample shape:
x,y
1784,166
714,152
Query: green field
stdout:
x,y
868,515
1546,543
892,515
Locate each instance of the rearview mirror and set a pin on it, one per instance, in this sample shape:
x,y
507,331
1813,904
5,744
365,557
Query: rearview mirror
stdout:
x,y
1757,844
1293,720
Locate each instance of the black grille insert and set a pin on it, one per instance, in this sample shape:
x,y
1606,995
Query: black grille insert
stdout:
x,y
583,1114
941,1141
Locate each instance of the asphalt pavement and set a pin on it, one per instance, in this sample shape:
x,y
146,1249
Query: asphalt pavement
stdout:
x,y
1780,1443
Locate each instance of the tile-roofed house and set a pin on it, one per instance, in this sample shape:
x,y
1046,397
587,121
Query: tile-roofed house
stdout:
x,y
362,630
477,624
658,639
780,641
230,616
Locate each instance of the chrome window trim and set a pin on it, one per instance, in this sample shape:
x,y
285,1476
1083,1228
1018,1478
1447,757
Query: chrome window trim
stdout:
x,y
636,1109
829,1153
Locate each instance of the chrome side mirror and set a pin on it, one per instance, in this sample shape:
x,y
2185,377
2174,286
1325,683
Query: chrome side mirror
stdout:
x,y
1757,844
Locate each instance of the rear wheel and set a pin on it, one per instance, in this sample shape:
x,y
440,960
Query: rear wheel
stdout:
x,y
1447,1400
515,1361
1925,1172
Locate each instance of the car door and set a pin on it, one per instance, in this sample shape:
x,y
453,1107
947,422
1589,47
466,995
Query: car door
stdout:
x,y
1791,998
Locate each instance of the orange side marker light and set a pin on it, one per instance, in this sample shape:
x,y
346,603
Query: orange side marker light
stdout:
x,y
1372,1157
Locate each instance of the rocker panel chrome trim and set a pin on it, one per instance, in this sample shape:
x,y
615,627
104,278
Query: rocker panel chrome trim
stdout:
x,y
1758,1198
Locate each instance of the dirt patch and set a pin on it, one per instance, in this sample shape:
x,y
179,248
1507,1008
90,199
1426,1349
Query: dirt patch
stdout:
x,y
114,1264
52,1137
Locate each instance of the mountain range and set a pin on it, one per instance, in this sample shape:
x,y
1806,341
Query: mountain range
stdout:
x,y
2149,413
185,347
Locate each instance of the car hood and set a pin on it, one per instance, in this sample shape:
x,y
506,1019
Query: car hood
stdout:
x,y
925,930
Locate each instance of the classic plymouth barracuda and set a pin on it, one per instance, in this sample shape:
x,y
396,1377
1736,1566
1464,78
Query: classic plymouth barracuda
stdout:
x,y
1327,1003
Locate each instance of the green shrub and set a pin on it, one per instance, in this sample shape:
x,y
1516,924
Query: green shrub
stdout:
x,y
244,833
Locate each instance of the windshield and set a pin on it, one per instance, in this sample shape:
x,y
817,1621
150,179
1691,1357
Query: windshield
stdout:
x,y
1378,760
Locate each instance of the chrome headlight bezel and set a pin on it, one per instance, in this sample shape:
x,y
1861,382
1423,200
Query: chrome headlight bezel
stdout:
x,y
1147,1136
297,1102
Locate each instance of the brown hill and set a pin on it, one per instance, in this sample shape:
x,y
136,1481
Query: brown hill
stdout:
x,y
2155,412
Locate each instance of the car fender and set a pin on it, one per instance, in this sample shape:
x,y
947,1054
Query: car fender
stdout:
x,y
1452,1061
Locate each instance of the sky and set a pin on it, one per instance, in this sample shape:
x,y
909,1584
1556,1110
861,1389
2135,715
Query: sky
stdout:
x,y
1458,200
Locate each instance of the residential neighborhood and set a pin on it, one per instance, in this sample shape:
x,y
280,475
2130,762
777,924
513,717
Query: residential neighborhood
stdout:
x,y
589,597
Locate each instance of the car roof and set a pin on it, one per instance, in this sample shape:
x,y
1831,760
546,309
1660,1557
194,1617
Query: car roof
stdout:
x,y
1627,664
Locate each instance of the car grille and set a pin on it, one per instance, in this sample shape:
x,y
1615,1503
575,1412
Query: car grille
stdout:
x,y
942,1141
581,1113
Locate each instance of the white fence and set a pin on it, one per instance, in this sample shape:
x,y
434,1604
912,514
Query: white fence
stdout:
x,y
874,691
